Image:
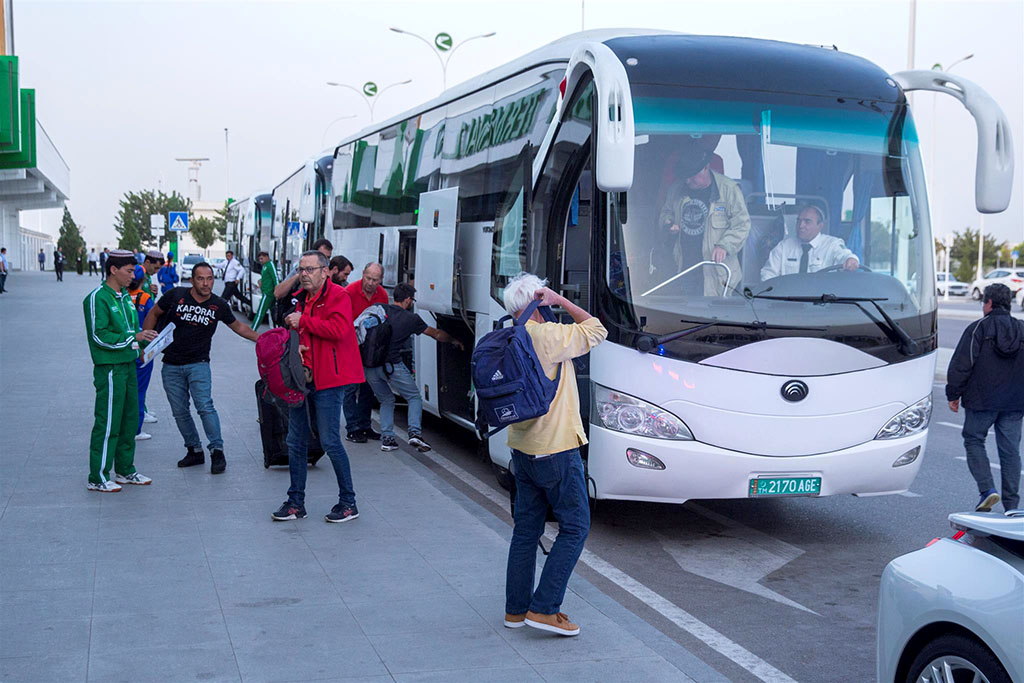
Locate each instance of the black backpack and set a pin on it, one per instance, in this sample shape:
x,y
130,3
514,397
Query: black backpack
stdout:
x,y
376,344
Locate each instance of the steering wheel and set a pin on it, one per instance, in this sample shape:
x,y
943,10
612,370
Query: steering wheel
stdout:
x,y
842,267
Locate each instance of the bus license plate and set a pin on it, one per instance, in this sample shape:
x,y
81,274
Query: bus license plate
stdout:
x,y
785,486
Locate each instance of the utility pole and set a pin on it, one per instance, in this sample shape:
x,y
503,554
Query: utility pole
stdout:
x,y
227,166
981,244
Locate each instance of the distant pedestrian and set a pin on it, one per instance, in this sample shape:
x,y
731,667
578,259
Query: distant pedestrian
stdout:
x,y
327,343
195,312
359,397
396,373
42,260
234,273
80,260
58,263
547,466
104,255
168,274
139,256
268,281
94,262
143,301
986,373
4,269
114,341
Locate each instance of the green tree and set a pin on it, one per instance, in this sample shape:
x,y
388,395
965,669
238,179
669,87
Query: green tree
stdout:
x,y
965,254
203,230
132,222
70,239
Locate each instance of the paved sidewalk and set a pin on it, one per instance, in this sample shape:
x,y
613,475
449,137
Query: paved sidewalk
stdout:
x,y
189,579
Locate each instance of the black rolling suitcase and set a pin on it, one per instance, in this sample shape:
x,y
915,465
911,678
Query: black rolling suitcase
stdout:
x,y
274,430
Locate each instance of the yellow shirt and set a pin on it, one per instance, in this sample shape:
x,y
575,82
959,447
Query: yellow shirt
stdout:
x,y
561,428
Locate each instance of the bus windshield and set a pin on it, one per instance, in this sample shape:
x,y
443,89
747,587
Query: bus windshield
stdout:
x,y
749,211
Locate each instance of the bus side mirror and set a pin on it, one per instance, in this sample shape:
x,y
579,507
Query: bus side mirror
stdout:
x,y
613,113
993,178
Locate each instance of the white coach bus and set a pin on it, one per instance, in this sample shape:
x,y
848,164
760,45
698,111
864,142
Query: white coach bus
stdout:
x,y
738,363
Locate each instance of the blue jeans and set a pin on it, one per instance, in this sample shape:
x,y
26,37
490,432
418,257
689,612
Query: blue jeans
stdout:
x,y
143,373
327,404
358,406
384,386
193,379
1008,429
555,480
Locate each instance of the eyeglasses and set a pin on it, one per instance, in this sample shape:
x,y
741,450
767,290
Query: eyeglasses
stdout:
x,y
309,270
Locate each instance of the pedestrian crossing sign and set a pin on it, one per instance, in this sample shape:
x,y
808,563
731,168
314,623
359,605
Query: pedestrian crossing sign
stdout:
x,y
178,221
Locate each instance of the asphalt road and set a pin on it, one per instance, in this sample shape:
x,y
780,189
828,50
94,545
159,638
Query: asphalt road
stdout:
x,y
792,580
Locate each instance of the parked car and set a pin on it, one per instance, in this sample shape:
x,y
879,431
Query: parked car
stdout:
x,y
1011,277
956,288
1020,299
220,263
954,610
187,263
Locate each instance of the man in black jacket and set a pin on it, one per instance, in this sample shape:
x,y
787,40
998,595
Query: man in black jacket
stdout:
x,y
986,372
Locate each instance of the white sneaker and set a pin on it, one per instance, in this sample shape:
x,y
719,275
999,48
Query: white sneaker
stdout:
x,y
142,436
149,418
105,487
136,479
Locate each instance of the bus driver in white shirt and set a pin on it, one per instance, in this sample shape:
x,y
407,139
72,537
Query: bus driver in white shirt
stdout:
x,y
809,251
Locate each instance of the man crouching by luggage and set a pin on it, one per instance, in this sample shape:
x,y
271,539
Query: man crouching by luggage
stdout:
x,y
547,466
327,341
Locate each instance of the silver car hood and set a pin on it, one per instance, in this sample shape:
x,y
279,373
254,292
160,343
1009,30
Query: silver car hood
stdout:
x,y
1010,525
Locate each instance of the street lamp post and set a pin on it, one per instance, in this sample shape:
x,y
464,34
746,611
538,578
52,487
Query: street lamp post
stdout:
x,y
369,92
442,43
931,163
323,138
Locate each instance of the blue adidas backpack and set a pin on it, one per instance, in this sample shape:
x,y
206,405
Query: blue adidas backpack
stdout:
x,y
510,382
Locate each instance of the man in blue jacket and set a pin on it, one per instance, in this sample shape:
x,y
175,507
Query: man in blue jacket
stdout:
x,y
986,372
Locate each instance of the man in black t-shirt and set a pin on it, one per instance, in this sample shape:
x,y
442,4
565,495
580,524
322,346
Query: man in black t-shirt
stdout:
x,y
396,376
195,312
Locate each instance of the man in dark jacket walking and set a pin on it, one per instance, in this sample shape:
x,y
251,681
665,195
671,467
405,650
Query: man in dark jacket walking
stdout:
x,y
986,372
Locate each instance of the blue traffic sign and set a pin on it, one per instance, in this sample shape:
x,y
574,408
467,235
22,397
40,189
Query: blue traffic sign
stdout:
x,y
1015,254
178,221
294,229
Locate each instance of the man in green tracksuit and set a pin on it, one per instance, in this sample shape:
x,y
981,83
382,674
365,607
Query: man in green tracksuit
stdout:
x,y
112,329
268,280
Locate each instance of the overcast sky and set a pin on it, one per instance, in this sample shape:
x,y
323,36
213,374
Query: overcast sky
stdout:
x,y
125,87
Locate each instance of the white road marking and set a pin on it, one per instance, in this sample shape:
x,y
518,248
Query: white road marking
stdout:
x,y
993,465
954,425
678,616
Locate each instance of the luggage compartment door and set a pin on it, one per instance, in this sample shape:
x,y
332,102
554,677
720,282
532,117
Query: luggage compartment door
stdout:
x,y
435,250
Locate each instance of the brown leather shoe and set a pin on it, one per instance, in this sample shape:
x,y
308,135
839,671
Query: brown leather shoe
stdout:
x,y
515,620
555,623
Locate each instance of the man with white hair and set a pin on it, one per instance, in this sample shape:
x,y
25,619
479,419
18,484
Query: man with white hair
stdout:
x,y
547,465
809,250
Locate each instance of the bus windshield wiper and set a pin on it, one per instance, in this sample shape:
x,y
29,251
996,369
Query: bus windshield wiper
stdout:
x,y
646,342
905,343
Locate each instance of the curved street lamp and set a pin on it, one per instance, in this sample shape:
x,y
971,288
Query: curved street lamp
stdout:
x,y
442,43
932,171
323,137
369,92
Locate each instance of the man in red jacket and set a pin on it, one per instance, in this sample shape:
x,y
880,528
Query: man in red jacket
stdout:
x,y
327,342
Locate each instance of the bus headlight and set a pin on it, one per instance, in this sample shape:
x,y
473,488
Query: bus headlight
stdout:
x,y
910,421
622,413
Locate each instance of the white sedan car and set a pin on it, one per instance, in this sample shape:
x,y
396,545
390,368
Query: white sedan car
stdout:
x,y
954,610
956,288
1011,277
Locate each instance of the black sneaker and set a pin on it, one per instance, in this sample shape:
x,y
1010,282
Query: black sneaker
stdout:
x,y
372,435
356,437
217,462
341,513
193,457
417,442
388,443
289,511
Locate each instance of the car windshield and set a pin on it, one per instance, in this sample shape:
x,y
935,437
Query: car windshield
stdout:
x,y
192,259
734,201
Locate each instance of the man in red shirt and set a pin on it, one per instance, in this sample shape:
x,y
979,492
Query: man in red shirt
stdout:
x,y
327,342
359,397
